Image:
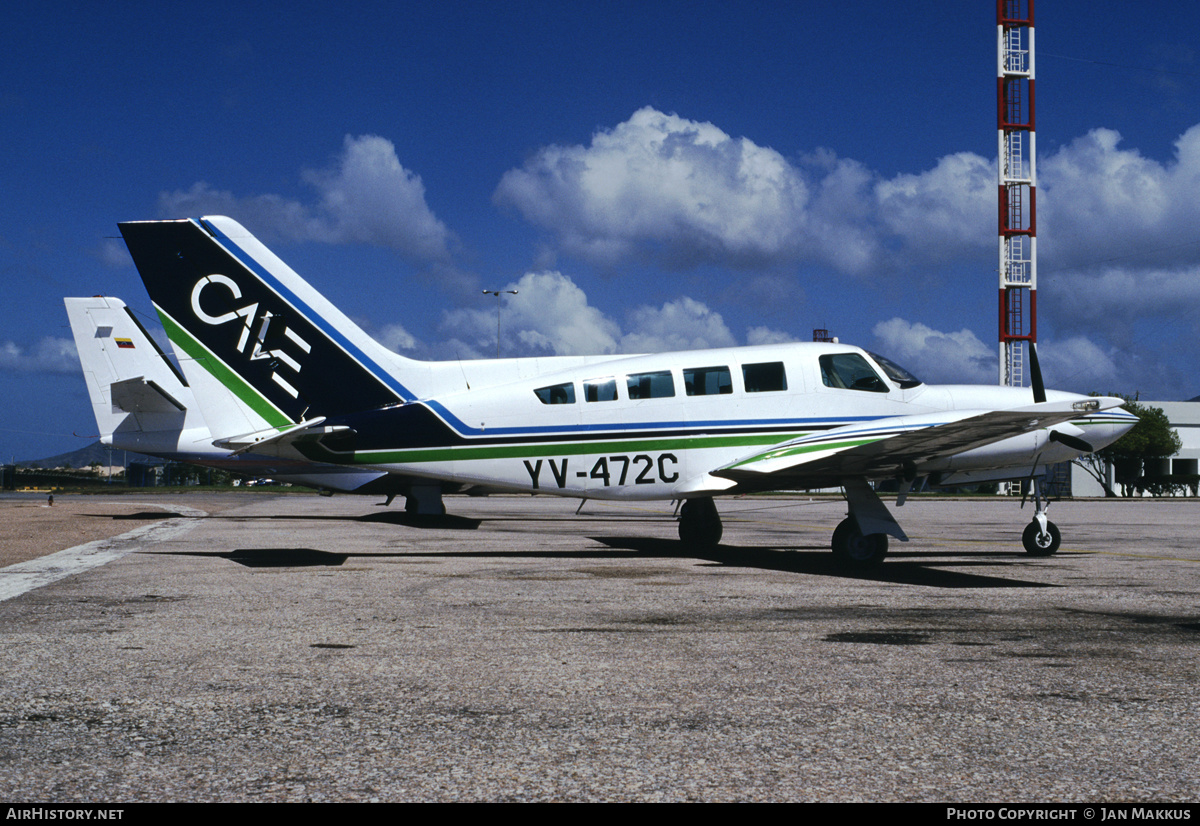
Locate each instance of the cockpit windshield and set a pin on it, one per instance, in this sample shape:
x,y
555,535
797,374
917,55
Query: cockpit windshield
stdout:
x,y
895,372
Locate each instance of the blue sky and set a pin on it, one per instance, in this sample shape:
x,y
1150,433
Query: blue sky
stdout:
x,y
653,175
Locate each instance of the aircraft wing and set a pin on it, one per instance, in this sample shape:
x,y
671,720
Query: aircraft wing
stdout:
x,y
886,447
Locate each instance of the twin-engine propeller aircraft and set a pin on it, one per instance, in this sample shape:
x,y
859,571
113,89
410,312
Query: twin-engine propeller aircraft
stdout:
x,y
278,370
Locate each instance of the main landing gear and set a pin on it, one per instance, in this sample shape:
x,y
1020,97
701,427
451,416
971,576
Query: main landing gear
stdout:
x,y
424,500
1041,536
852,547
699,523
861,540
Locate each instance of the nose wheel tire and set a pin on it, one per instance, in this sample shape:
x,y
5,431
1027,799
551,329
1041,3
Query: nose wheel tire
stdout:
x,y
851,547
1038,542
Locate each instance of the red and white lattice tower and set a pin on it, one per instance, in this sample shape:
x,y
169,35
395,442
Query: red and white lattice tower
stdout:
x,y
1018,188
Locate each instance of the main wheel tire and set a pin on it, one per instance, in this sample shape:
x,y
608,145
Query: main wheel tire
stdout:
x,y
700,524
853,548
412,507
1038,543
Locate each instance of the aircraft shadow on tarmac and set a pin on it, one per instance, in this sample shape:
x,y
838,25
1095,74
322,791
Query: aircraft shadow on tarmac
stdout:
x,y
271,557
285,558
915,568
908,568
918,568
311,557
448,522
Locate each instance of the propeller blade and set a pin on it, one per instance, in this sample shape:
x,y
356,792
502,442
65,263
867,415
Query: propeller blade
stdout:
x,y
1073,442
1035,375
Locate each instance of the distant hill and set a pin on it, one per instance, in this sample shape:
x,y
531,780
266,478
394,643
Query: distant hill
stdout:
x,y
95,452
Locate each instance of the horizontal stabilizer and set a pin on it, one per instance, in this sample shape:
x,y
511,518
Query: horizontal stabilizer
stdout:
x,y
273,440
141,395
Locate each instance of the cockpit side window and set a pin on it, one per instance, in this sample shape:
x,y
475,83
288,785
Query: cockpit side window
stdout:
x,y
850,371
707,381
765,377
557,394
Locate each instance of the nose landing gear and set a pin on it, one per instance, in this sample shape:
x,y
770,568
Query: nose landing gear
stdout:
x,y
1041,540
1041,536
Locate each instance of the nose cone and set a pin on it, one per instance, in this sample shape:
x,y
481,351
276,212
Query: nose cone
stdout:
x,y
1102,429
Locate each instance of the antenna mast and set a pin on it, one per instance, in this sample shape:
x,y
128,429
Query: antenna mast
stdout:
x,y
1018,188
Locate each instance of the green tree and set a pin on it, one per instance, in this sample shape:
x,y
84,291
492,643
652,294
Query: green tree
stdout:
x,y
1151,438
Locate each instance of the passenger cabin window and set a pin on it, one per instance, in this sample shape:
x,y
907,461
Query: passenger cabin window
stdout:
x,y
557,394
600,390
850,371
657,385
707,381
765,377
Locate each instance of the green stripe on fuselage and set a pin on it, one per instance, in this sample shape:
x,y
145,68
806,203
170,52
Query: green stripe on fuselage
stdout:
x,y
231,380
522,450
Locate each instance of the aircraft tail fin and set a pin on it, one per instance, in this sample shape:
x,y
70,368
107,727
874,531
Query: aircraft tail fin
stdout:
x,y
261,347
139,398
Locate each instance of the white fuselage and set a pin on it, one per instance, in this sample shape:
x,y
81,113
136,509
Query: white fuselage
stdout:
x,y
619,444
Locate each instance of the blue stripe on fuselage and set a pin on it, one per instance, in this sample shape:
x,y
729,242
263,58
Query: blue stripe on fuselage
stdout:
x,y
465,430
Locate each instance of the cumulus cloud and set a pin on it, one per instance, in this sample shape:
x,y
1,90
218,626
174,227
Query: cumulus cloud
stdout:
x,y
1103,201
456,348
683,324
765,335
684,192
50,355
1077,363
396,338
681,190
551,315
944,213
937,357
364,197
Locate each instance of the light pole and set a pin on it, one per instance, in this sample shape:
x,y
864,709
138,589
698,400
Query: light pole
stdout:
x,y
498,293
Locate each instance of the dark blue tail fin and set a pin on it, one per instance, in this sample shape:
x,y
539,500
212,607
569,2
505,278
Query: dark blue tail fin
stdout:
x,y
261,347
